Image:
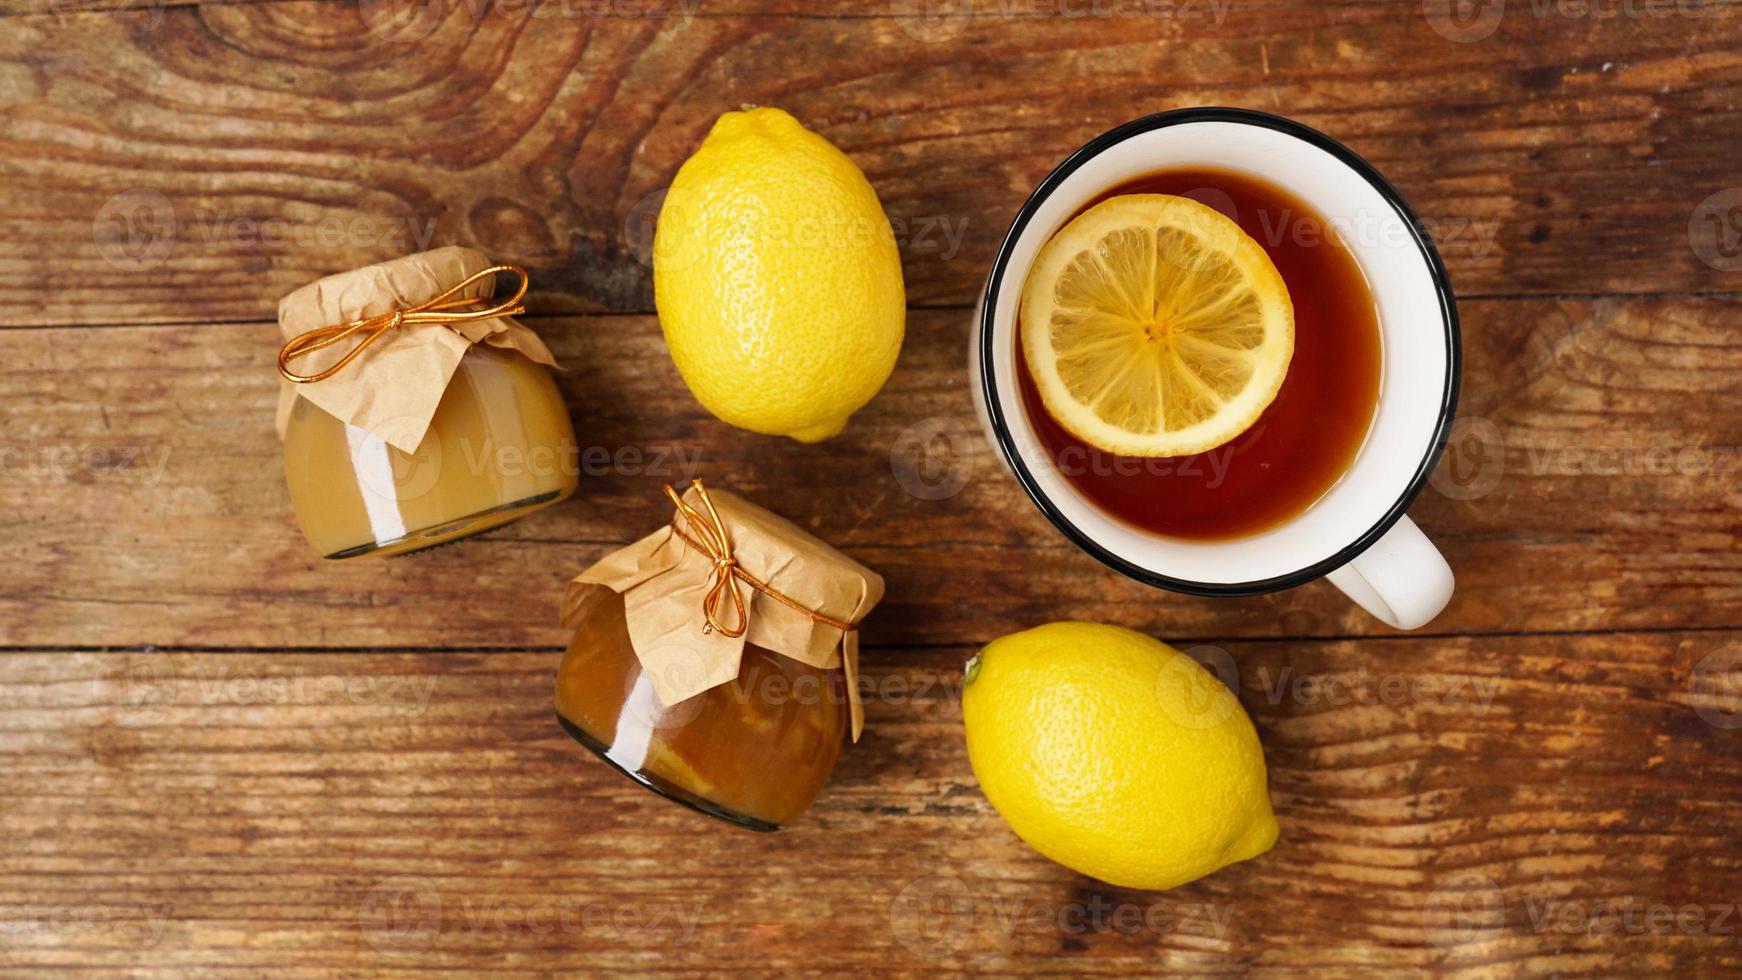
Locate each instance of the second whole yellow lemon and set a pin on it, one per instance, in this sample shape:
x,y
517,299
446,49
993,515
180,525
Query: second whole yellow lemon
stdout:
x,y
1116,755
777,278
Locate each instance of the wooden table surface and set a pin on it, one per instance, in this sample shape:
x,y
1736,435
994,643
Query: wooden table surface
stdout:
x,y
221,757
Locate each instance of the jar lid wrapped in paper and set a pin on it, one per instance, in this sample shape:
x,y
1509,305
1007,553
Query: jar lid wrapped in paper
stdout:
x,y
410,321
724,573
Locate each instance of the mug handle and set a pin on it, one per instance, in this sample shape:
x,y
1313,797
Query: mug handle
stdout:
x,y
1401,578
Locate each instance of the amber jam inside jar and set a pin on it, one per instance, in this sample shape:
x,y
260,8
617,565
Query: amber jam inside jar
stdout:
x,y
755,751
499,447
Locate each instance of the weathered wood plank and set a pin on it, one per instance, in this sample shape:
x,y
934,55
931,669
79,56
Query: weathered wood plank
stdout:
x,y
1595,486
186,814
286,140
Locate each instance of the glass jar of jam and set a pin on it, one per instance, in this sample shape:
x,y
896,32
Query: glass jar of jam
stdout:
x,y
498,446
755,750
738,711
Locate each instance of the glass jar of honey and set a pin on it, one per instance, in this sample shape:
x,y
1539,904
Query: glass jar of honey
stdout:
x,y
435,432
744,727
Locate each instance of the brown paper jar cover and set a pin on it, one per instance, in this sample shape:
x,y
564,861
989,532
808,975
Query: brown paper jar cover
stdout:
x,y
435,431
687,711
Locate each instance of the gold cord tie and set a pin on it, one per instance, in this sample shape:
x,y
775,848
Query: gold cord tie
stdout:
x,y
439,309
717,545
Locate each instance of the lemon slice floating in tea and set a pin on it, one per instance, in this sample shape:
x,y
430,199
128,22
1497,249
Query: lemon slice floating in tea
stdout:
x,y
1154,326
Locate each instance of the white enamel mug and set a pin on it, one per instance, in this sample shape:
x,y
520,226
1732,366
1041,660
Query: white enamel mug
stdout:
x,y
1356,534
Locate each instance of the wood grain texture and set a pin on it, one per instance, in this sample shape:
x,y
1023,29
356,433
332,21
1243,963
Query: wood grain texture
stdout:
x,y
209,814
221,757
190,164
1594,484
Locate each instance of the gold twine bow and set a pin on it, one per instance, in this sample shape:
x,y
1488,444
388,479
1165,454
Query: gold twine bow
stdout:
x,y
717,545
440,309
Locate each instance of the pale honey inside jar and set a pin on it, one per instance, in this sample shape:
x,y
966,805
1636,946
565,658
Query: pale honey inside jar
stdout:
x,y
499,447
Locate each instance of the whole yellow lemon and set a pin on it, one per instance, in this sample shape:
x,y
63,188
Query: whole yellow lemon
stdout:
x,y
777,278
1116,755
